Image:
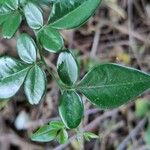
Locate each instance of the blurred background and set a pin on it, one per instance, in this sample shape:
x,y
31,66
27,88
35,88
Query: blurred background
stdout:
x,y
119,32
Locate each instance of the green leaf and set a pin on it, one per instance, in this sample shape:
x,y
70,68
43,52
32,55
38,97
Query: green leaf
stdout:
x,y
71,109
44,134
67,68
11,24
90,135
12,76
46,2
33,16
26,48
7,6
41,2
3,17
35,84
72,14
62,136
50,39
56,125
111,85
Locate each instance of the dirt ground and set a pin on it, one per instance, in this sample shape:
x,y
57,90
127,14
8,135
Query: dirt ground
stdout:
x,y
119,32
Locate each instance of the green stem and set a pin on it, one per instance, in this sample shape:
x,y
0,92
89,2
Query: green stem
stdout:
x,y
49,69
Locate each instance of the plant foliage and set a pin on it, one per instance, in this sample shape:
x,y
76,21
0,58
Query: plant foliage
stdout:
x,y
105,85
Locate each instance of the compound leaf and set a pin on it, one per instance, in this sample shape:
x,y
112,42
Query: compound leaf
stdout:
x,y
26,48
111,85
33,16
12,76
71,109
67,15
67,68
50,39
35,84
